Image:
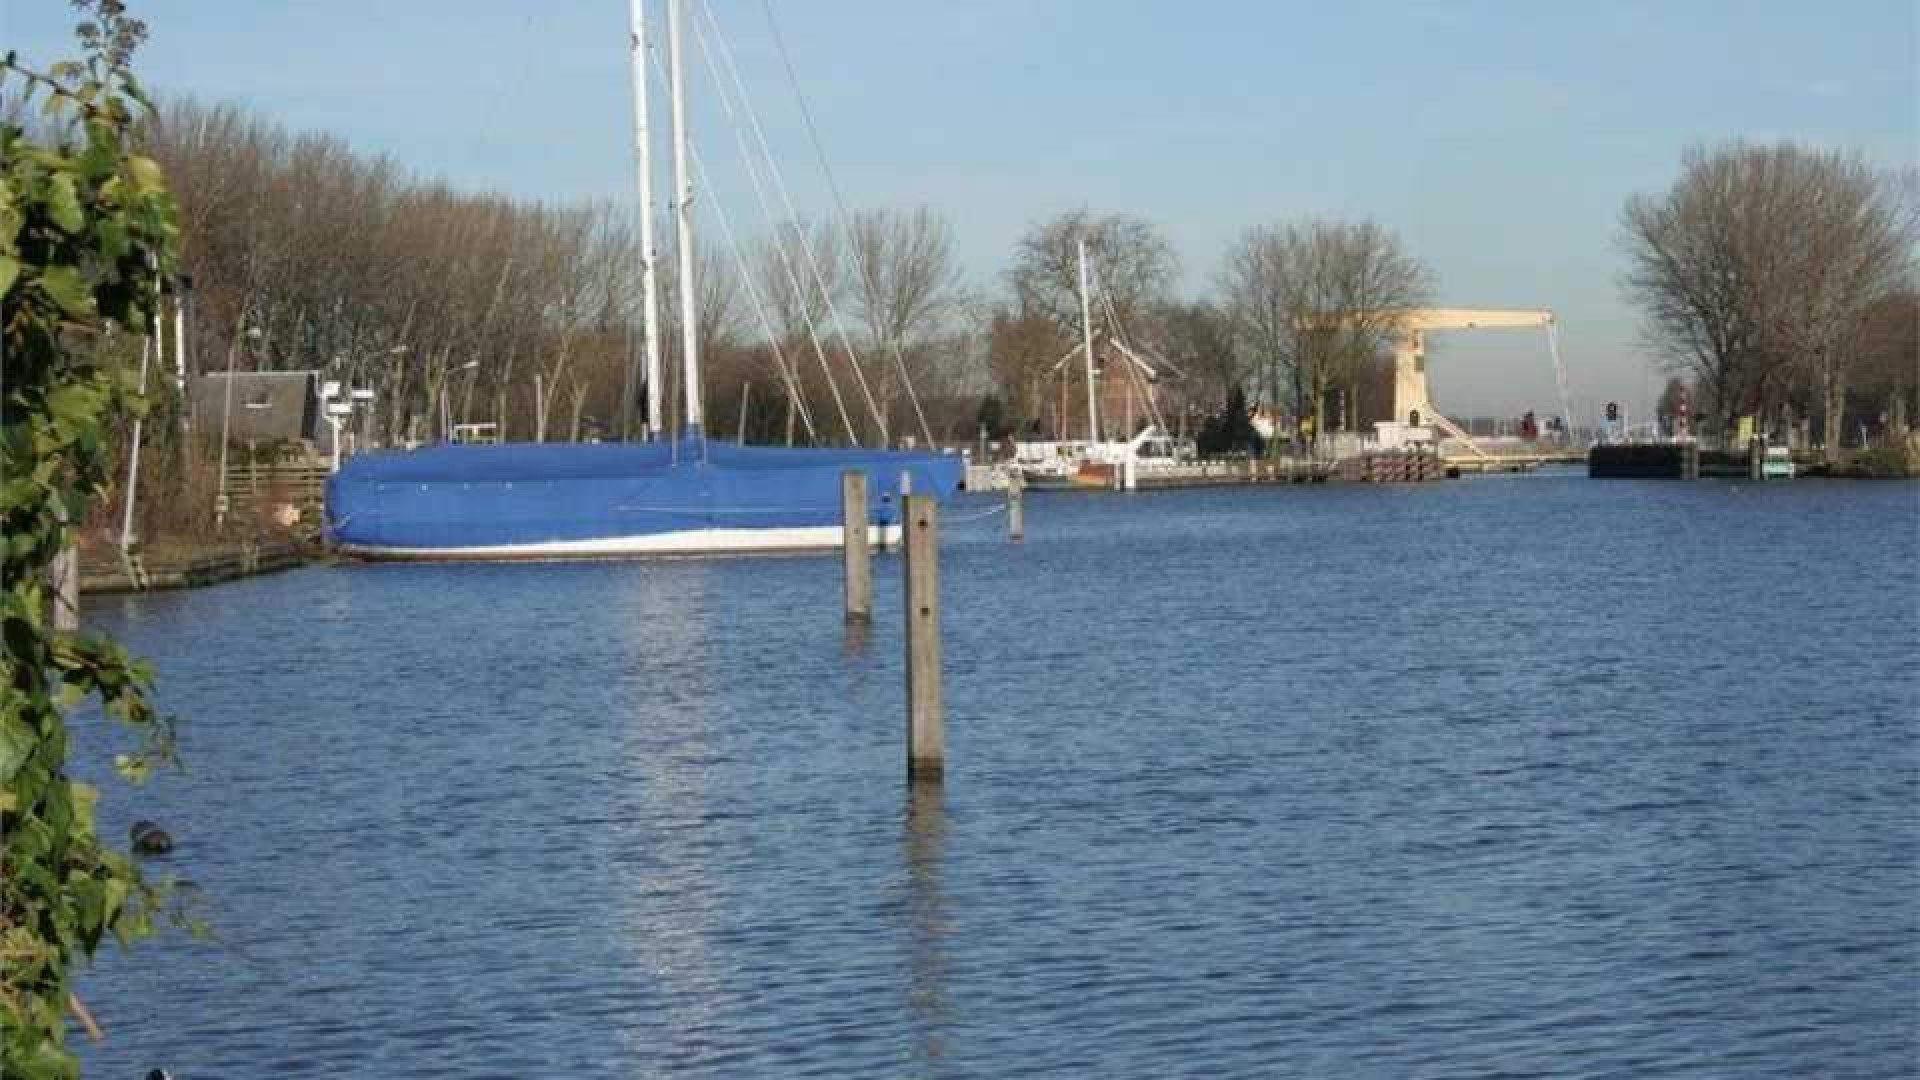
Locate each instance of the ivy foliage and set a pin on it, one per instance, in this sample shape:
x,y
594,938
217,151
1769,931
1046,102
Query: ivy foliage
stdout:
x,y
86,228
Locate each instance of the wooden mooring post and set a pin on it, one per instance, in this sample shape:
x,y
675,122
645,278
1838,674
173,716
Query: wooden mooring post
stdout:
x,y
926,722
859,561
1756,458
1016,507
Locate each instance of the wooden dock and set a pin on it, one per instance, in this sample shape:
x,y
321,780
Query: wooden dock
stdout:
x,y
1512,463
1409,466
1235,472
110,572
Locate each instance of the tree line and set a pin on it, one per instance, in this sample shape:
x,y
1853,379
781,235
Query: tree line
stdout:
x,y
1773,278
457,307
304,254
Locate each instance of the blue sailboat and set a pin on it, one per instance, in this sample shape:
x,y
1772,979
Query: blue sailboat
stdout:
x,y
680,494
580,500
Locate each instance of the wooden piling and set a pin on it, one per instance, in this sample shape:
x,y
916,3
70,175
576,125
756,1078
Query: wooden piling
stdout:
x,y
1016,507
859,562
1756,458
926,725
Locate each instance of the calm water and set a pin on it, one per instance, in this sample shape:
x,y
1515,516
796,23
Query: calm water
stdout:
x,y
1513,776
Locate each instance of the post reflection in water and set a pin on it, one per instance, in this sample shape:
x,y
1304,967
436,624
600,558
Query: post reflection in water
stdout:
x,y
859,635
924,846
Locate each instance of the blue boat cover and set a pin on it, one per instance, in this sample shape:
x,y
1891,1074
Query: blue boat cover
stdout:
x,y
447,497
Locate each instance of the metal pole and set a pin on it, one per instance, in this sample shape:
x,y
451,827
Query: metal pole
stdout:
x,y
1086,329
133,462
226,426
683,220
649,275
180,352
539,408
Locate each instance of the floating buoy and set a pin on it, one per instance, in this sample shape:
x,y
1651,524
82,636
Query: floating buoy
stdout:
x,y
150,839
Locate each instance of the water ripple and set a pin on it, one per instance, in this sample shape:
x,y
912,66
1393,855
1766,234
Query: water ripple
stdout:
x,y
1512,777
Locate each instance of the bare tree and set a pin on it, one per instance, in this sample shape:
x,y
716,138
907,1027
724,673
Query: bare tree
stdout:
x,y
1200,341
1889,373
1758,269
1022,346
1316,303
1134,264
907,287
799,272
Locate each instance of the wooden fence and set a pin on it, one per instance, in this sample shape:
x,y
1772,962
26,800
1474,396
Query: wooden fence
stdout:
x,y
255,487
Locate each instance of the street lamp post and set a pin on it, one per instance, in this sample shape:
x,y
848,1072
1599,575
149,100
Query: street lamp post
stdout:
x,y
182,295
446,407
252,336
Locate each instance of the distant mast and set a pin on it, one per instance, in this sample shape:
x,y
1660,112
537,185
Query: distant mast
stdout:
x,y
1086,328
649,280
683,218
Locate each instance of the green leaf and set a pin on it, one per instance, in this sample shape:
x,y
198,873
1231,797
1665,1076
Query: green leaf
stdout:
x,y
146,174
84,798
63,204
111,238
64,286
16,742
74,403
9,270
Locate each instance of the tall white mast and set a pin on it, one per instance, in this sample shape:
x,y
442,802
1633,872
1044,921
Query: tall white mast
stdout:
x,y
683,217
649,282
1086,328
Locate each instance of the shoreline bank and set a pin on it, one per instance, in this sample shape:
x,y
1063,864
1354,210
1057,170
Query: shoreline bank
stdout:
x,y
186,566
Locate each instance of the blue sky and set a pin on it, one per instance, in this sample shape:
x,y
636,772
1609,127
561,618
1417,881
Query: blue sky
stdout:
x,y
1498,138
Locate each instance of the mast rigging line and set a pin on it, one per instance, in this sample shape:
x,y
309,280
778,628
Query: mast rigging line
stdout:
x,y
1130,353
845,220
780,362
781,256
786,198
789,370
1560,378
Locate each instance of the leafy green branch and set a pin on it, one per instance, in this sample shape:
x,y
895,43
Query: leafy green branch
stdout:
x,y
86,228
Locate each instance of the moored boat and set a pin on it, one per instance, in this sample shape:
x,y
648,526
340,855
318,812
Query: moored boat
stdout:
x,y
562,501
683,494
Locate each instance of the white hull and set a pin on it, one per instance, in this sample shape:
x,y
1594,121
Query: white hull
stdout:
x,y
691,542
